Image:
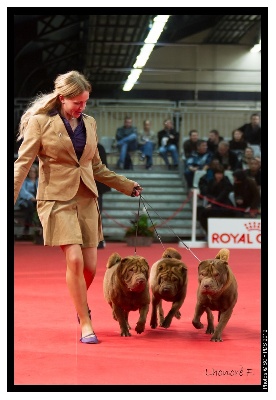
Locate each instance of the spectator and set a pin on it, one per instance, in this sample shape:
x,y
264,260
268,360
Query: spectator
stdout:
x,y
190,144
27,197
254,171
146,143
252,130
227,158
246,193
247,157
168,140
213,140
216,189
210,174
102,188
127,140
199,160
237,143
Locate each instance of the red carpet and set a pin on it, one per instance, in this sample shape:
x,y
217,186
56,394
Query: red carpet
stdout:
x,y
46,341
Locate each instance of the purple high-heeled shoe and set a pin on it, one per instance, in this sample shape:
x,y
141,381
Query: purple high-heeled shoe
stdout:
x,y
89,339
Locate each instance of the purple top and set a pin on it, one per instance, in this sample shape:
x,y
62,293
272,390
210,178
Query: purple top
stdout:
x,y
78,136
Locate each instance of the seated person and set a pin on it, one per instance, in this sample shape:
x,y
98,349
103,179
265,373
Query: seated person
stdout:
x,y
146,143
217,191
168,140
210,173
247,157
252,130
199,160
126,137
190,144
213,140
27,197
227,158
237,143
246,193
254,171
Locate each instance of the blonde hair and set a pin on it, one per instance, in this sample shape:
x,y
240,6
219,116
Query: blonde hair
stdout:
x,y
70,85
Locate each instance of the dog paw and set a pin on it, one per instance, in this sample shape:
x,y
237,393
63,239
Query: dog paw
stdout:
x,y
153,323
215,339
197,324
166,323
210,330
177,314
125,333
140,327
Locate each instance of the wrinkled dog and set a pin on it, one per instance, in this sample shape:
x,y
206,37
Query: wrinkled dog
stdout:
x,y
126,289
217,290
168,281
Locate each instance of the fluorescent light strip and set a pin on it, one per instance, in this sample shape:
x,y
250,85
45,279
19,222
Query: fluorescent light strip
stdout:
x,y
151,39
256,48
143,56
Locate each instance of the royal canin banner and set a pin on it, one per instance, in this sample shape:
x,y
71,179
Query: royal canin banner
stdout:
x,y
235,233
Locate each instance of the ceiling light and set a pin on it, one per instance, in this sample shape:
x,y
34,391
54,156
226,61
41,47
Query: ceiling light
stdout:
x,y
256,48
143,56
158,25
132,78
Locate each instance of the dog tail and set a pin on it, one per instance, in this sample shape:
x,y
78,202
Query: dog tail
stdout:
x,y
170,252
113,259
223,255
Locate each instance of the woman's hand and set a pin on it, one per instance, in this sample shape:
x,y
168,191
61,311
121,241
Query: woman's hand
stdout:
x,y
137,190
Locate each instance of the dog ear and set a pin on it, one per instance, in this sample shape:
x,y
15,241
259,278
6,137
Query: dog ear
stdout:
x,y
160,267
183,269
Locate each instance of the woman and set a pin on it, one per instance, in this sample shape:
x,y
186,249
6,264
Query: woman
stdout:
x,y
55,129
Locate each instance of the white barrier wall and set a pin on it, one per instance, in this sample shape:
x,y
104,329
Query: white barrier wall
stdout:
x,y
238,233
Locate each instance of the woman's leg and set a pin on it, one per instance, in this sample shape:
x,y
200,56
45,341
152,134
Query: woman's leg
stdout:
x,y
90,264
77,285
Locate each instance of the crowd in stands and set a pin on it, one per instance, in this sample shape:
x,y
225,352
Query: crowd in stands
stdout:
x,y
215,156
233,154
242,156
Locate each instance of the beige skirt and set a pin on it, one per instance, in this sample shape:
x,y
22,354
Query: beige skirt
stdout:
x,y
76,221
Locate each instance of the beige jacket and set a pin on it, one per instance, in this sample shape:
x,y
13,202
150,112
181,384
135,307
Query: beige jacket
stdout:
x,y
59,169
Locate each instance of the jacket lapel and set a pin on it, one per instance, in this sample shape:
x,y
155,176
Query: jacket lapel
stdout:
x,y
62,136
89,139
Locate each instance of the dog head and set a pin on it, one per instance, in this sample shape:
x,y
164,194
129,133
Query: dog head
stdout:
x,y
133,271
171,275
213,275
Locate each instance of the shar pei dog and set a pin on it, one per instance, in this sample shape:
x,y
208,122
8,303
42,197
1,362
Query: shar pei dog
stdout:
x,y
126,289
168,281
217,291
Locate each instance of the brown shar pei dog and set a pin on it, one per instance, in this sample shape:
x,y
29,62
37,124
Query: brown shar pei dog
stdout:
x,y
126,289
168,281
218,291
